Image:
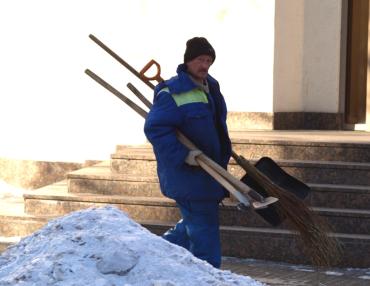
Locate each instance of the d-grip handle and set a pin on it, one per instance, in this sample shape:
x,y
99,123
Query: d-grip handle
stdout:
x,y
156,77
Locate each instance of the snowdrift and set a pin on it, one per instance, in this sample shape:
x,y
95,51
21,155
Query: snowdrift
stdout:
x,y
104,247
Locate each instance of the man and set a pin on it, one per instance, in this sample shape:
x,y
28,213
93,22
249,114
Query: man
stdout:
x,y
192,103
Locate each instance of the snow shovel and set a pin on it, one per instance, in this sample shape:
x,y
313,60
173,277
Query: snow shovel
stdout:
x,y
277,175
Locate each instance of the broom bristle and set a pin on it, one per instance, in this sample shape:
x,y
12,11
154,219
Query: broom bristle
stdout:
x,y
323,249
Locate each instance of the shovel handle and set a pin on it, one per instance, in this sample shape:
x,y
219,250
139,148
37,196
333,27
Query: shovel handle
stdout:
x,y
157,77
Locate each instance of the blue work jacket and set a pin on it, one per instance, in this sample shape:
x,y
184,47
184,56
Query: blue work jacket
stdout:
x,y
179,104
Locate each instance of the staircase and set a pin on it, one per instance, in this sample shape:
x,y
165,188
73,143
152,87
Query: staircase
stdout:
x,y
336,165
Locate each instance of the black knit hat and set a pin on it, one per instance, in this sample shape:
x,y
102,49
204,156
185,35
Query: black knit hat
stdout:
x,y
198,46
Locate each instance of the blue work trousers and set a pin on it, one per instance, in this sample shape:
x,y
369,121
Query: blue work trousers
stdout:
x,y
198,231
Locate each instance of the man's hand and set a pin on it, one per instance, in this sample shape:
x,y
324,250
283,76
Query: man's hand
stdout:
x,y
190,159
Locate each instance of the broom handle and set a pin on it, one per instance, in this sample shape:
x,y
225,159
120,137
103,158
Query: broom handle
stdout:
x,y
248,167
237,158
206,163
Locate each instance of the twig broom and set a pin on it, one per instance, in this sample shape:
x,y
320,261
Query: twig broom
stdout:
x,y
322,248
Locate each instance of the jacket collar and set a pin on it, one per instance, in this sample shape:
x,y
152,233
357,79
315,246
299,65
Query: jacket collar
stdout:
x,y
182,82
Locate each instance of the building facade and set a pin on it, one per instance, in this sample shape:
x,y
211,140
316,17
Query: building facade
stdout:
x,y
321,65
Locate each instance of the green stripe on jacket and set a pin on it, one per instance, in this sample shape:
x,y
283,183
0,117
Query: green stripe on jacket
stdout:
x,y
193,96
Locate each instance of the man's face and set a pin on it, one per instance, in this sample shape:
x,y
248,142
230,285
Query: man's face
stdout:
x,y
198,67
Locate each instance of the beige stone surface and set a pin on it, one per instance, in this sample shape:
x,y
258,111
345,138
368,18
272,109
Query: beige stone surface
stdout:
x,y
30,174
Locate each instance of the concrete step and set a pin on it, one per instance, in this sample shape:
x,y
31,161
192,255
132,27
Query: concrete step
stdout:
x,y
20,225
339,196
279,244
304,148
101,180
134,161
49,202
347,146
318,172
55,202
15,222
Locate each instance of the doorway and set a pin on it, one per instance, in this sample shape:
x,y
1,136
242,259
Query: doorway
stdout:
x,y
357,99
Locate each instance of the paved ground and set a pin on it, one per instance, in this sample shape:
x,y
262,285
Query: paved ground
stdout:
x,y
281,274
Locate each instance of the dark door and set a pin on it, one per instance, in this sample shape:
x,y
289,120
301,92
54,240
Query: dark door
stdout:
x,y
357,61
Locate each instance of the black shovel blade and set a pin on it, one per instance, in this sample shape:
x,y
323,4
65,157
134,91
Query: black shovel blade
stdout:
x,y
277,175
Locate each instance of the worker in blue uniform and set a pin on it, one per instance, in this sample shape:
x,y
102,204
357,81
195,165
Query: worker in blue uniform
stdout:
x,y
191,102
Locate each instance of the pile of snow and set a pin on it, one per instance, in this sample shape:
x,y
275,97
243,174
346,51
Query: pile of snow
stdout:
x,y
104,247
